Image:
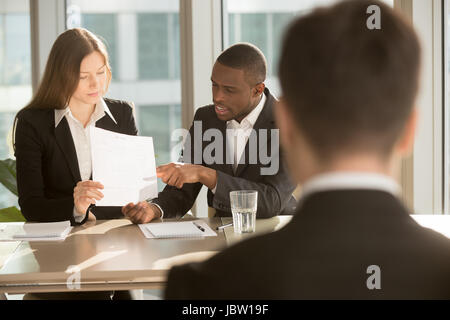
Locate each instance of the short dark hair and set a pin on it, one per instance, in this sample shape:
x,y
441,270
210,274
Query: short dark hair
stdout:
x,y
350,88
247,57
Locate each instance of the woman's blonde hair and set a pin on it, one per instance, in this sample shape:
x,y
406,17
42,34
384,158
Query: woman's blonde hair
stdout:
x,y
62,72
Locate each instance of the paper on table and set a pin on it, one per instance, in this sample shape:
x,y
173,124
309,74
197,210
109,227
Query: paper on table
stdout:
x,y
182,229
125,165
51,231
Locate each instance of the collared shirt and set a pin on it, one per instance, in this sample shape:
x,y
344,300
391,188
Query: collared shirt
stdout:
x,y
81,139
238,134
348,180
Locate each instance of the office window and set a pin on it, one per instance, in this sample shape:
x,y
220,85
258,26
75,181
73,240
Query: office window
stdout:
x,y
262,23
279,23
143,40
104,25
159,41
175,49
153,122
254,28
153,46
15,75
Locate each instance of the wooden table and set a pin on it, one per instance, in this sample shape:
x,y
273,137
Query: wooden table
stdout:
x,y
115,255
108,255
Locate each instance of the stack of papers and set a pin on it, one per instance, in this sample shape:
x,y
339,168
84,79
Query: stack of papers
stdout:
x,y
52,231
185,229
125,165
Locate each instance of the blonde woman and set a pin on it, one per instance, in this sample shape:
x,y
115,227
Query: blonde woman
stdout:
x,y
52,143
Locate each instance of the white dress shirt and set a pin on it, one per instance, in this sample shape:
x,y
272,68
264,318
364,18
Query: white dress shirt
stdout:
x,y
347,180
82,141
238,134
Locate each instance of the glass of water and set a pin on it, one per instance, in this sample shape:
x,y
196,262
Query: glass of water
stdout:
x,y
243,207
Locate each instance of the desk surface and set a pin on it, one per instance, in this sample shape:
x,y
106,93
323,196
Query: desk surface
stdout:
x,y
115,255
110,251
110,254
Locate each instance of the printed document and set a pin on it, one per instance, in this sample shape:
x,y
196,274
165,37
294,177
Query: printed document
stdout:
x,y
125,165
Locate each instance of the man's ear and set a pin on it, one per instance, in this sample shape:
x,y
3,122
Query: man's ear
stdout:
x,y
406,141
259,89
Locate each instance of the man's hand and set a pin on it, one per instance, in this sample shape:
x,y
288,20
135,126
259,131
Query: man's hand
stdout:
x,y
142,212
177,174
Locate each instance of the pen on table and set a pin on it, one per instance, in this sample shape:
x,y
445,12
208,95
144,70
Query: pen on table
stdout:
x,y
198,226
224,226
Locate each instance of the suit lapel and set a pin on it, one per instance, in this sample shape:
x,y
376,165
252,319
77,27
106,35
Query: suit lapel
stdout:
x,y
264,121
65,142
107,123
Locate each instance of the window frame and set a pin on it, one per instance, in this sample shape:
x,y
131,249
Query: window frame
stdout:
x,y
427,172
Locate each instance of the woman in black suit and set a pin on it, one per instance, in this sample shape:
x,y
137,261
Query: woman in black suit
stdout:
x,y
52,145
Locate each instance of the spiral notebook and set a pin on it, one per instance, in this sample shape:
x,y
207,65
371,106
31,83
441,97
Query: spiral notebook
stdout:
x,y
184,229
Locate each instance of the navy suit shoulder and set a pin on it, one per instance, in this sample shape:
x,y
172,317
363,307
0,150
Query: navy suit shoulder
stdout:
x,y
324,253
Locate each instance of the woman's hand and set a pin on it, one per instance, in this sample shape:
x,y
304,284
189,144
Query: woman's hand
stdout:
x,y
86,193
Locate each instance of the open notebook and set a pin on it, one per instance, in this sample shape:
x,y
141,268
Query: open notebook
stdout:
x,y
184,229
52,231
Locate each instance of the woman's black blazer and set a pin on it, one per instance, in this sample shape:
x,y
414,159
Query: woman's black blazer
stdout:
x,y
47,165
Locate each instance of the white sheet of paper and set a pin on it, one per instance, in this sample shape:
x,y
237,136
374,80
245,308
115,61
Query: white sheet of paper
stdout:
x,y
175,227
125,165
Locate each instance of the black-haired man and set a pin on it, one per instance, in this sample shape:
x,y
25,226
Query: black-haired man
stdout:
x,y
232,145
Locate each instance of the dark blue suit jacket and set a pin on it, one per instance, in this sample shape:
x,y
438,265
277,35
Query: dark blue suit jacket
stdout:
x,y
326,252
